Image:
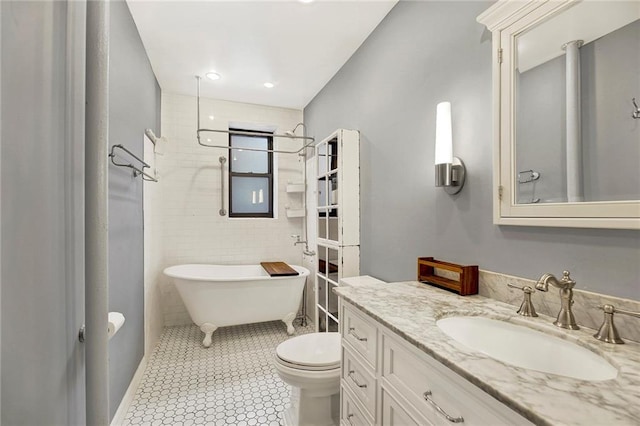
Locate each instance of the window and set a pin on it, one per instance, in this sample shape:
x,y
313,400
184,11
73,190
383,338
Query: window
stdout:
x,y
250,176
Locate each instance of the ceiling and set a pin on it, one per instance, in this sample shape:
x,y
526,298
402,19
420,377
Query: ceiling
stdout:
x,y
296,46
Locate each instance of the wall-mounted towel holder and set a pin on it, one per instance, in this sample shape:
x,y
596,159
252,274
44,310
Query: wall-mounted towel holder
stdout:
x,y
137,171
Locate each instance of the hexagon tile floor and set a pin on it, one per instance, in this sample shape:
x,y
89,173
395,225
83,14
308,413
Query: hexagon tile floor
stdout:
x,y
231,383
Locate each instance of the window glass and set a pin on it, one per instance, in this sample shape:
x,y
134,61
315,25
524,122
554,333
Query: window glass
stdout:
x,y
250,176
249,194
243,161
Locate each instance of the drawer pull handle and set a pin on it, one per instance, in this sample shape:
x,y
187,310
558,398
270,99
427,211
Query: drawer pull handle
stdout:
x,y
349,419
427,396
352,377
352,331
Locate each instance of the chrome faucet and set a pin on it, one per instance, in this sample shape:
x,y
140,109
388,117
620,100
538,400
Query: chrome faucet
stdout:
x,y
565,316
305,250
298,240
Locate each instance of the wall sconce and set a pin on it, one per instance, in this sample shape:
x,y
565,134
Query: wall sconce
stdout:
x,y
450,170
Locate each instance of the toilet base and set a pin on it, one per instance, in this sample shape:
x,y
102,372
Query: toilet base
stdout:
x,y
308,410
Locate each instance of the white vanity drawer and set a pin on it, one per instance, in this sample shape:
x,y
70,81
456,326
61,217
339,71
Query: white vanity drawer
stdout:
x,y
394,414
351,414
360,331
359,380
412,374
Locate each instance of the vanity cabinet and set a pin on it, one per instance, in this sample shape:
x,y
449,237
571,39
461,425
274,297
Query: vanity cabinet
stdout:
x,y
338,220
387,381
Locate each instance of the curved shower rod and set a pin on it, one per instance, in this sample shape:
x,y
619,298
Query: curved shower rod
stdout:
x,y
289,135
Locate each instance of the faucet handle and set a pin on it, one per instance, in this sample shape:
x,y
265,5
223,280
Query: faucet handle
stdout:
x,y
612,309
566,278
607,331
525,288
526,308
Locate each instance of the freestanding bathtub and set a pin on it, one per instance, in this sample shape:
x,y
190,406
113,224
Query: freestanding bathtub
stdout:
x,y
222,295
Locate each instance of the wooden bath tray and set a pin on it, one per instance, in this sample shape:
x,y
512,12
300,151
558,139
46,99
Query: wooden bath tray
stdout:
x,y
466,285
278,269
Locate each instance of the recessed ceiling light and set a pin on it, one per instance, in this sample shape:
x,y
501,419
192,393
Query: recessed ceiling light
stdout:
x,y
213,75
211,117
305,1
269,85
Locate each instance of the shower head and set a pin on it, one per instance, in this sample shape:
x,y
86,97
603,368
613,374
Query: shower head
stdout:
x,y
293,132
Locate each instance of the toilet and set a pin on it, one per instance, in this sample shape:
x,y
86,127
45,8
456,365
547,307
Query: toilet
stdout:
x,y
310,363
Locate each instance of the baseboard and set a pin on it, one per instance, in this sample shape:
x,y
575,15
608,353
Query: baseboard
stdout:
x,y
118,418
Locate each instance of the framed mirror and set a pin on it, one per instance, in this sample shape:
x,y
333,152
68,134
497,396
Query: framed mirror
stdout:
x,y
567,141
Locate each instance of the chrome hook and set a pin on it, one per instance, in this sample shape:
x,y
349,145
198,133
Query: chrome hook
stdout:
x,y
636,113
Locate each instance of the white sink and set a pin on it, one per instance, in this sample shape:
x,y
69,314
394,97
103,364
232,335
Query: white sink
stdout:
x,y
527,348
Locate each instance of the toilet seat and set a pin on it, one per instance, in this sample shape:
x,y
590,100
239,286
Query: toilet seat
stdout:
x,y
310,352
303,367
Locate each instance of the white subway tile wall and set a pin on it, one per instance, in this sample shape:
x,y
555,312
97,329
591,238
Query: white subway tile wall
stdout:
x,y
192,230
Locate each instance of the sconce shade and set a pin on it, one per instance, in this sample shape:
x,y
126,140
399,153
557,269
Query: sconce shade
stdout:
x,y
450,170
444,149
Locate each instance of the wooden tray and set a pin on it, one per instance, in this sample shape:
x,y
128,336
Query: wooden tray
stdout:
x,y
466,285
278,269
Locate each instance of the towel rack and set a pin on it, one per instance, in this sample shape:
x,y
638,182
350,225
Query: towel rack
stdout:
x,y
136,170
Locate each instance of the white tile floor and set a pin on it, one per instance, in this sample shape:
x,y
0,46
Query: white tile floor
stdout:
x,y
231,383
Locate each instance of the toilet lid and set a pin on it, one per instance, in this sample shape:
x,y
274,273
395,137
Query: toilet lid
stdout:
x,y
311,350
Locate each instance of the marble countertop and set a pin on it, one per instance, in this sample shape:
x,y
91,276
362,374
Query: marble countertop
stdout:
x,y
411,309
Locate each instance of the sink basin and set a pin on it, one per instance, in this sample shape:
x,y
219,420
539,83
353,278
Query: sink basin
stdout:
x,y
527,348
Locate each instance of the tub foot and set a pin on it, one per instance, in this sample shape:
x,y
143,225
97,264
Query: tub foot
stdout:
x,y
288,320
208,330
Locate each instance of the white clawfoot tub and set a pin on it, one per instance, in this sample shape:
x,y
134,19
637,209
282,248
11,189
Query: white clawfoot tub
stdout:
x,y
222,295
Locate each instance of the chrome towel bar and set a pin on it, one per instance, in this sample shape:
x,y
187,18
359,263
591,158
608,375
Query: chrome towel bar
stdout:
x,y
136,170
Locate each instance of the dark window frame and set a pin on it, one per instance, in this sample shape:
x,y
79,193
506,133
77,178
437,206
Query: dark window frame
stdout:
x,y
269,175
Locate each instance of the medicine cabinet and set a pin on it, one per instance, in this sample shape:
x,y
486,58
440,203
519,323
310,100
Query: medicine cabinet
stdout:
x,y
566,139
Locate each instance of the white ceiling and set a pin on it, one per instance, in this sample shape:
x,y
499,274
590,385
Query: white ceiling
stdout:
x,y
299,47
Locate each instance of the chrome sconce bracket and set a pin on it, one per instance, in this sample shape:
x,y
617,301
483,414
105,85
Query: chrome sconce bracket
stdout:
x,y
451,176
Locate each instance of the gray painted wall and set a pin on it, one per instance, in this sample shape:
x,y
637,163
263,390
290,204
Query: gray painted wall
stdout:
x,y
42,154
423,53
134,97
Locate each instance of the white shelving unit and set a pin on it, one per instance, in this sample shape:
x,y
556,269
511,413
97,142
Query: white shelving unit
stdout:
x,y
295,212
295,190
295,187
337,185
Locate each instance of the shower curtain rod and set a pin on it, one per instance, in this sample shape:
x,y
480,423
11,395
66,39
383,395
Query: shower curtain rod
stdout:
x,y
249,133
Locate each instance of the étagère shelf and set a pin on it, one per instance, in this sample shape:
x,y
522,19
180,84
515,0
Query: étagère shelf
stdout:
x,y
338,217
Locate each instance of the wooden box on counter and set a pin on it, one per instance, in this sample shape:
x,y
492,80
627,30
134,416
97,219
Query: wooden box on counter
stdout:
x,y
467,283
